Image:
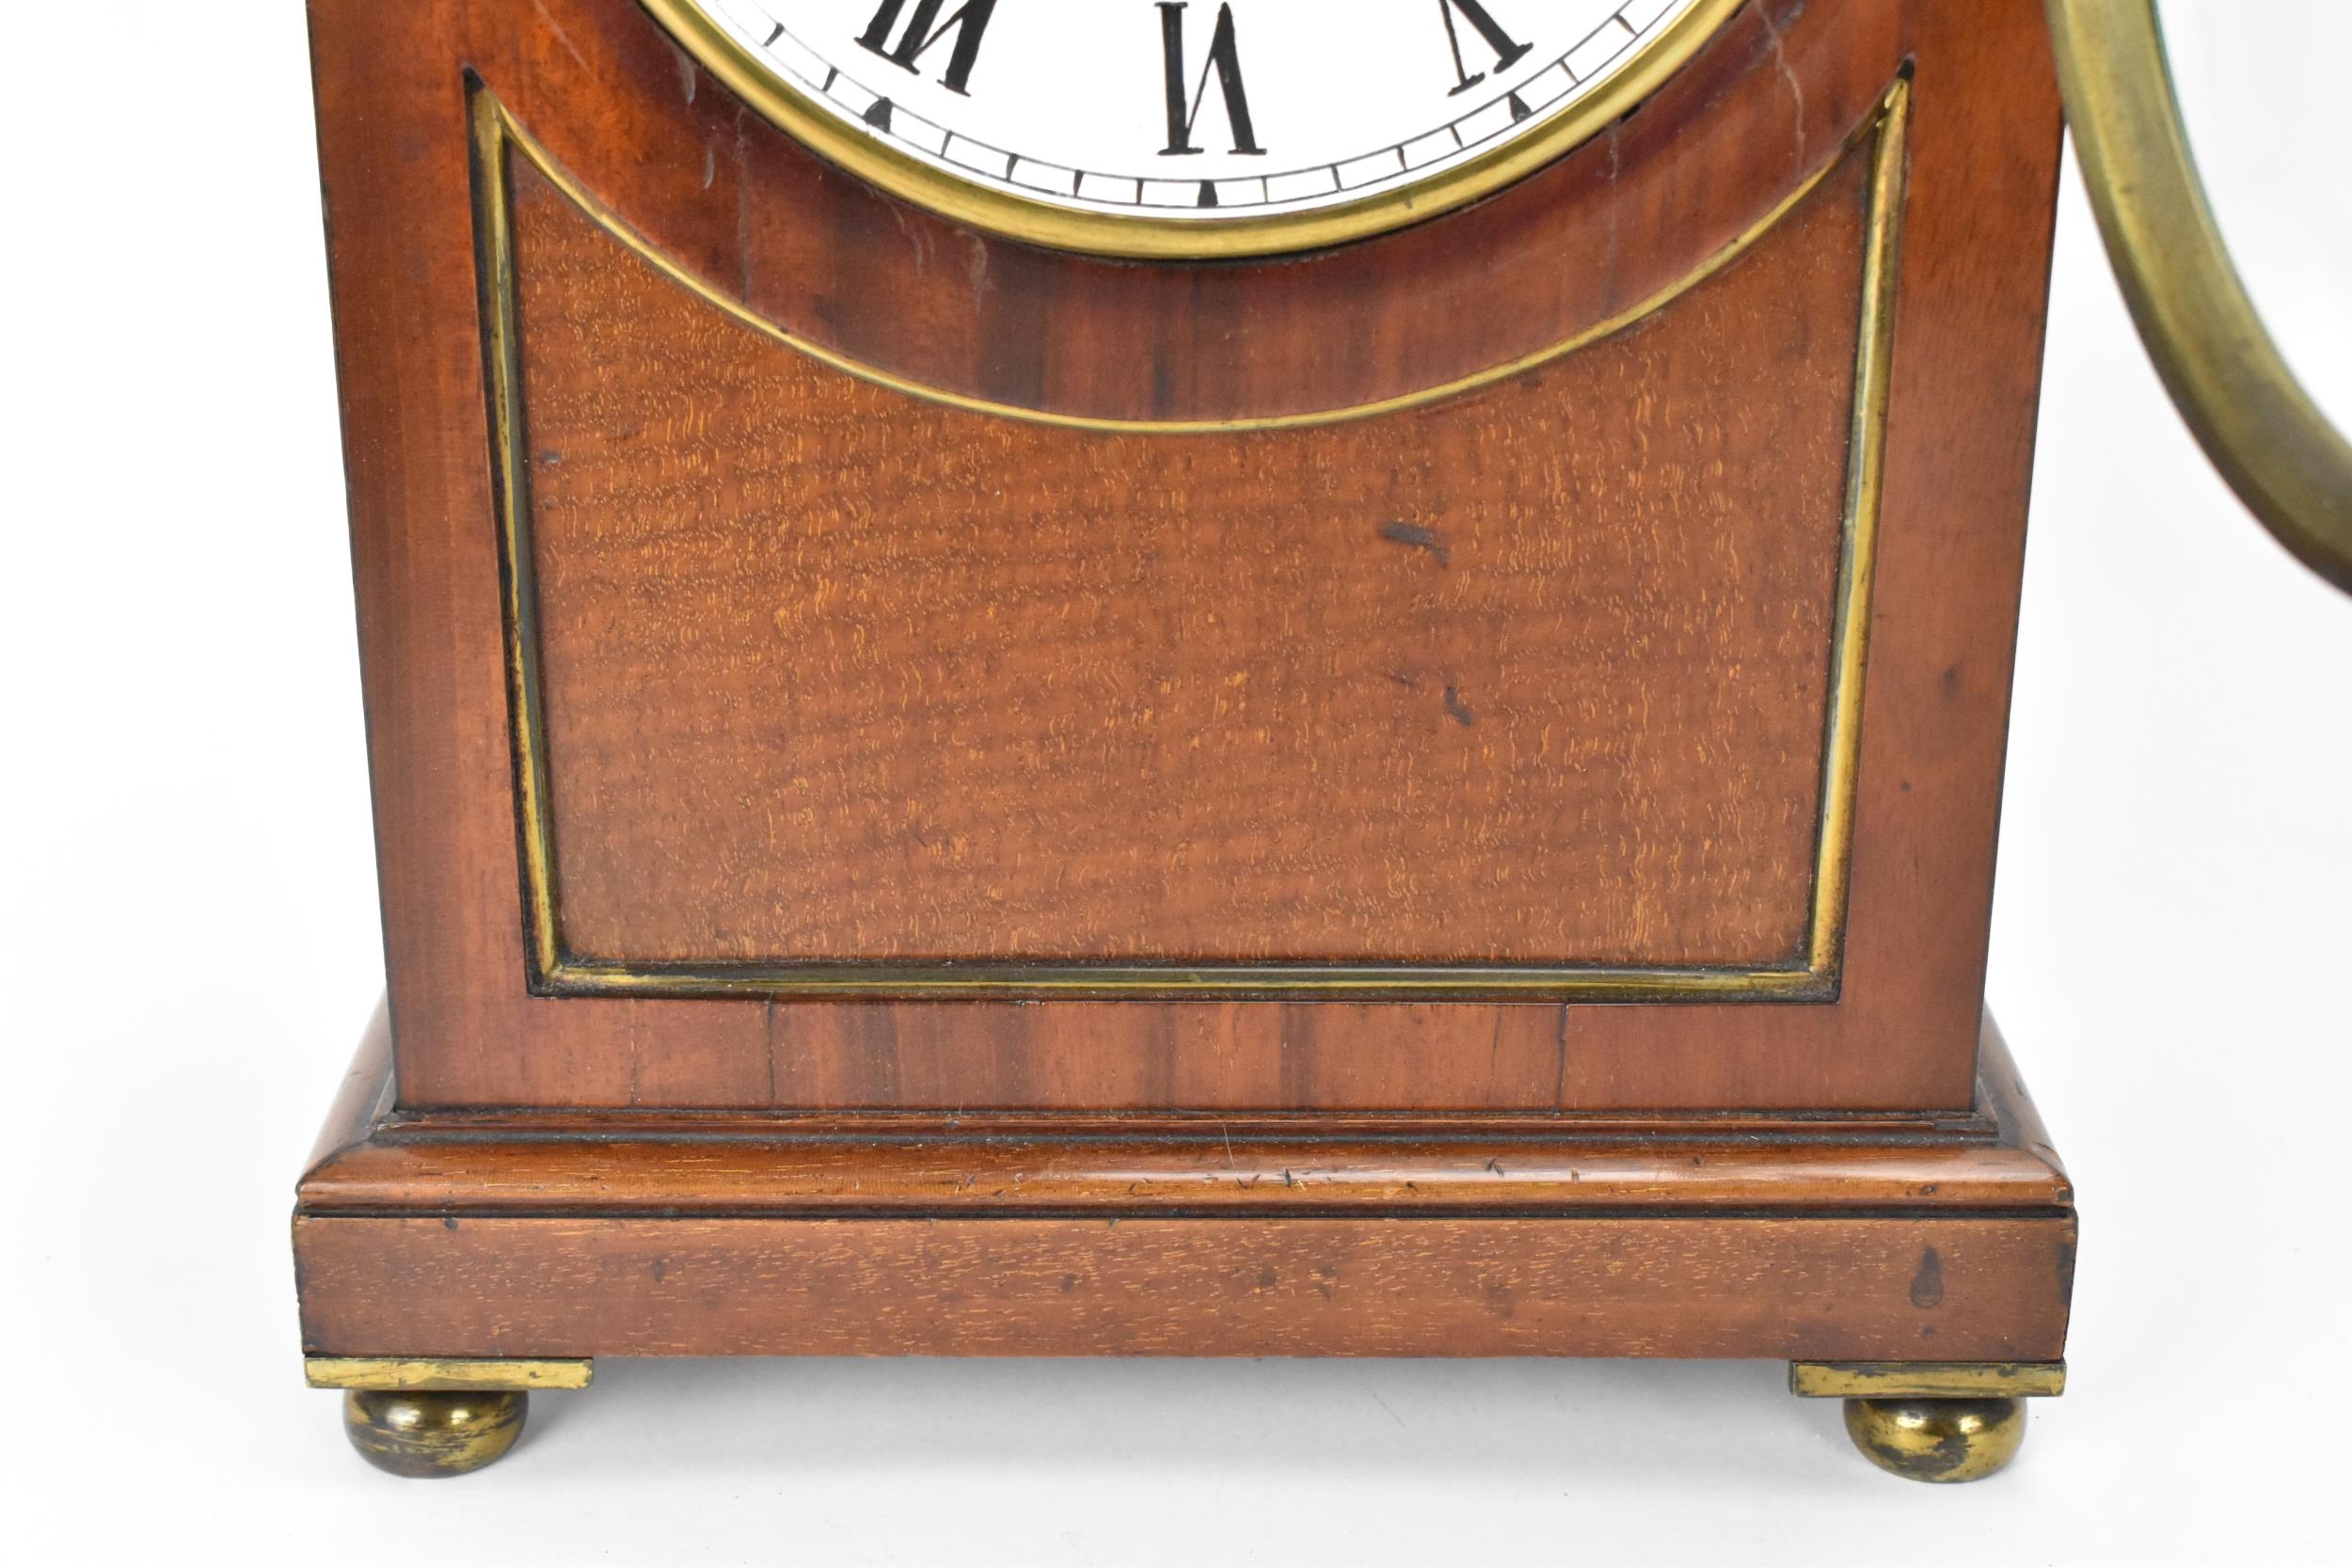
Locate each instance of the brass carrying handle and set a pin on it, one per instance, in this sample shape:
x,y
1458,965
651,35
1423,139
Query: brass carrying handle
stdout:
x,y
2291,467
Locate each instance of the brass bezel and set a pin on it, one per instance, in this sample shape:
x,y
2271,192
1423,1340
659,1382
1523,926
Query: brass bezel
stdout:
x,y
1145,236
1814,975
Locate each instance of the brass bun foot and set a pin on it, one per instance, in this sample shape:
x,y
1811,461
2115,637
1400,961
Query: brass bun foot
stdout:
x,y
426,1433
1940,1440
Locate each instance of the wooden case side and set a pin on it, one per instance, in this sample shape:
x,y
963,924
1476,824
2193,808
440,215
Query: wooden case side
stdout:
x,y
395,163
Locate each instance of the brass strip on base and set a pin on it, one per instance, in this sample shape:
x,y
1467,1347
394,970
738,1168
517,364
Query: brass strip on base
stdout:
x,y
1927,1380
426,1374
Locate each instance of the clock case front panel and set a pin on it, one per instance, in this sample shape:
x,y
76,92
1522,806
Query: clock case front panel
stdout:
x,y
742,554
823,658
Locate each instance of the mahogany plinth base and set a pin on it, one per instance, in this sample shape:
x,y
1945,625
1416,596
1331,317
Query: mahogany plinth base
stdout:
x,y
1886,1240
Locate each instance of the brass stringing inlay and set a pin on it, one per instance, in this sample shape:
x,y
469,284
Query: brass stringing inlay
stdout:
x,y
556,969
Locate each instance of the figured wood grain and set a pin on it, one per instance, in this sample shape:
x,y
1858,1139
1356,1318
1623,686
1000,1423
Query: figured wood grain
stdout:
x,y
1813,1289
804,245
1997,1160
784,1170
566,1234
1771,103
831,671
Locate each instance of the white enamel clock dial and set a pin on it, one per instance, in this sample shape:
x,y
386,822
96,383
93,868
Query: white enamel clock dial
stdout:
x,y
1191,126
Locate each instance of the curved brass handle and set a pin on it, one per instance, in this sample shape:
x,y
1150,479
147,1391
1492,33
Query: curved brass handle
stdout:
x,y
2285,461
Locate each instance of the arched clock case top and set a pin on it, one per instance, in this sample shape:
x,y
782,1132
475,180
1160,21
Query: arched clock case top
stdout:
x,y
1779,95
781,243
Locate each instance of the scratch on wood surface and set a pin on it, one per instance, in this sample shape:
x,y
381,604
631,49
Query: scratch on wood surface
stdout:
x,y
1560,1079
561,37
768,1037
1609,247
976,270
1796,89
742,205
918,238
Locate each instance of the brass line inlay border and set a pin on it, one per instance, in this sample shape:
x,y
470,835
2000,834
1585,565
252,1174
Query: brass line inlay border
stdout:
x,y
556,971
497,135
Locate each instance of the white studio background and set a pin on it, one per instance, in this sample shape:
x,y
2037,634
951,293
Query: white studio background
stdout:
x,y
189,943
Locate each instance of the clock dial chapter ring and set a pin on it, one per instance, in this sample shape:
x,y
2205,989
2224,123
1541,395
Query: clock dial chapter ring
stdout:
x,y
1143,230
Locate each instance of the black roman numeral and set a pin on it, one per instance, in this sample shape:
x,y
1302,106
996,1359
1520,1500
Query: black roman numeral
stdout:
x,y
968,21
1224,62
1508,50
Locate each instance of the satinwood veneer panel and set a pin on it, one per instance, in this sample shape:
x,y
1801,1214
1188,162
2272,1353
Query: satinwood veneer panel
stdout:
x,y
1534,673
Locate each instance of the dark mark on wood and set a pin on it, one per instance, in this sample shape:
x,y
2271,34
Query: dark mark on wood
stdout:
x,y
1419,538
1927,1286
1457,709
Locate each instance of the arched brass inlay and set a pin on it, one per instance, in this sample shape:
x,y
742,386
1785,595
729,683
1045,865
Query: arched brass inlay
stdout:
x,y
557,971
499,137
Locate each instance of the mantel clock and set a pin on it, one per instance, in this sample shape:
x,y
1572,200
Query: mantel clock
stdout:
x,y
1186,677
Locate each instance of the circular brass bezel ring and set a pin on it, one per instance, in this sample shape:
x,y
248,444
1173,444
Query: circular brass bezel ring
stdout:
x,y
1148,237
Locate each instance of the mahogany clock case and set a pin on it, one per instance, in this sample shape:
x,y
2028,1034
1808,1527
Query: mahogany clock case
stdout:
x,y
1435,796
